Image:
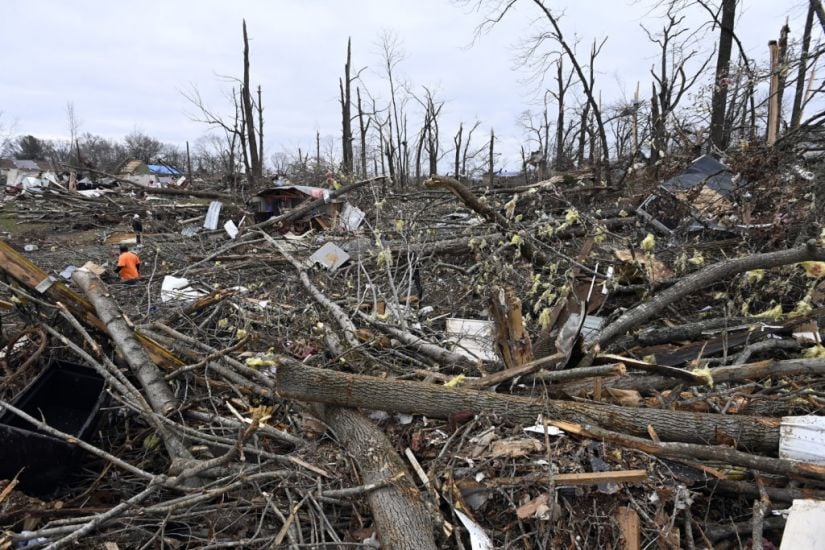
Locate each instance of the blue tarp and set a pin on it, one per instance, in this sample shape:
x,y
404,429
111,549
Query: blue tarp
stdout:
x,y
162,170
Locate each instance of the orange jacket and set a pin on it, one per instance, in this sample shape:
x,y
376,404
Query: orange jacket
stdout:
x,y
128,262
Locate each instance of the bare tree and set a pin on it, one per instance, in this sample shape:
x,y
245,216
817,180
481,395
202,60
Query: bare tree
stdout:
x,y
670,82
363,127
229,148
562,85
392,55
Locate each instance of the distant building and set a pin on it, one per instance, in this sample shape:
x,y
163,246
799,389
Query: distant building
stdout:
x,y
153,175
19,174
279,200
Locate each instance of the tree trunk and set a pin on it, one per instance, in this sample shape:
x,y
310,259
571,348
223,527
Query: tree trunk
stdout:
x,y
457,142
246,99
363,131
820,12
560,117
720,91
490,161
158,393
296,381
401,518
796,111
512,340
346,118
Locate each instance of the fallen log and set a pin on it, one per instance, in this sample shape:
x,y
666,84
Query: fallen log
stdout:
x,y
401,518
728,455
158,393
297,381
38,281
701,279
718,375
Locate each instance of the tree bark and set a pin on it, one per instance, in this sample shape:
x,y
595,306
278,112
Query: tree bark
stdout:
x,y
719,99
401,518
820,12
304,383
512,341
490,160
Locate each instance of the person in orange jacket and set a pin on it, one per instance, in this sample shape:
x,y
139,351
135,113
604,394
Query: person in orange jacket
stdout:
x,y
128,265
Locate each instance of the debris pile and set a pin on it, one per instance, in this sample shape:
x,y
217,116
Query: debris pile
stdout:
x,y
551,365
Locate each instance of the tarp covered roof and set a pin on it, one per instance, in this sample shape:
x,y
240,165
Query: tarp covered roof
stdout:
x,y
163,170
707,170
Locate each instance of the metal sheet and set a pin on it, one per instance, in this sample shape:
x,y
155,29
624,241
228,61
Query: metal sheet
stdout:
x,y
329,256
802,438
211,221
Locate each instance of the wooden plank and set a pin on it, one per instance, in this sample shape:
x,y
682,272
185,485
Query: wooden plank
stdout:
x,y
628,521
596,478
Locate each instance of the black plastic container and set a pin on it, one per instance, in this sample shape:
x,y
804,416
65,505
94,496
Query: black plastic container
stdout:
x,y
68,398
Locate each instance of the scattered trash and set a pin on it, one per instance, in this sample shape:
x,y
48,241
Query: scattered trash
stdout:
x,y
803,530
351,217
177,289
330,256
211,221
231,229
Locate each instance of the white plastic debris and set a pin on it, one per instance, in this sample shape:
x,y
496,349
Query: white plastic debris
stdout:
x,y
351,217
231,229
177,289
803,531
478,538
329,256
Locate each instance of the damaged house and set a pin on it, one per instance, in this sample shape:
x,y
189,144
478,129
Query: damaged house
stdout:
x,y
279,200
19,174
701,196
154,175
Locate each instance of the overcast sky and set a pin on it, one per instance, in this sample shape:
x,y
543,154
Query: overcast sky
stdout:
x,y
125,64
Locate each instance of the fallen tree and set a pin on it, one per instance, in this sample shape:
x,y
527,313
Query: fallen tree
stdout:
x,y
297,381
401,518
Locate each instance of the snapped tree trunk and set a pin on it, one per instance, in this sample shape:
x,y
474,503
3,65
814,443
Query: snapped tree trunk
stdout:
x,y
346,118
256,171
